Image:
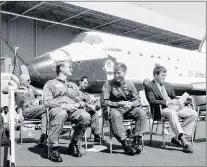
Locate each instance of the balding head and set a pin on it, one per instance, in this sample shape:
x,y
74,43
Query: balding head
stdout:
x,y
25,79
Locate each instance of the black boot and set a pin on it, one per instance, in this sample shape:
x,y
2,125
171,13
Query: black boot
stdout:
x,y
73,148
135,144
98,138
54,155
128,149
42,139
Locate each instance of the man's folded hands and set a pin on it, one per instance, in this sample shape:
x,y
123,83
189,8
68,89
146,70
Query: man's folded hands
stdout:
x,y
175,102
126,104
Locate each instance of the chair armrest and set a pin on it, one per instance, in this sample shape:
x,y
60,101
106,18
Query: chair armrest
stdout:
x,y
160,109
202,104
108,110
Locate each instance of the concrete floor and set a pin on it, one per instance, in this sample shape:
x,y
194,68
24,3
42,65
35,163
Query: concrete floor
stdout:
x,y
30,155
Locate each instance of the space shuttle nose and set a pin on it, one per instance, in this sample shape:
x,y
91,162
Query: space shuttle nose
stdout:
x,y
42,68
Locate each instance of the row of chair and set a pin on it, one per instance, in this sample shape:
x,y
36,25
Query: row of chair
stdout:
x,y
197,102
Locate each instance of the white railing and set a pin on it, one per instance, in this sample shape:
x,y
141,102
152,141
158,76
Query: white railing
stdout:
x,y
11,156
7,69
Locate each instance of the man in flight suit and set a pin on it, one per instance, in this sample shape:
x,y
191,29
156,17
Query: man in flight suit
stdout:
x,y
92,108
124,102
28,99
63,101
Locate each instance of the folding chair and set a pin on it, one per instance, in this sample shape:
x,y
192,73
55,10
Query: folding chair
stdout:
x,y
24,122
162,120
199,104
127,123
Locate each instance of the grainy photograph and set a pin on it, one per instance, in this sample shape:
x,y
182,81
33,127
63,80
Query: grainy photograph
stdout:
x,y
103,83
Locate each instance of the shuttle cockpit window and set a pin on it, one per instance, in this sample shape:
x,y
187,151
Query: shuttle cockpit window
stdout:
x,y
91,39
79,38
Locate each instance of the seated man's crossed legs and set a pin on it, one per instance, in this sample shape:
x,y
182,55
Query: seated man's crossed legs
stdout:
x,y
189,116
116,120
80,118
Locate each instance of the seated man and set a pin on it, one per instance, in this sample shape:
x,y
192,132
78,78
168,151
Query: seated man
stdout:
x,y
124,102
158,93
28,99
62,99
91,107
145,103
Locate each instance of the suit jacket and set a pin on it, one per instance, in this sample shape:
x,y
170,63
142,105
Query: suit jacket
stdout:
x,y
155,98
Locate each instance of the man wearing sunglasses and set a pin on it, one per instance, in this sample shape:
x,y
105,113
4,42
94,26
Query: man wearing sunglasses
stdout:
x,y
28,99
92,107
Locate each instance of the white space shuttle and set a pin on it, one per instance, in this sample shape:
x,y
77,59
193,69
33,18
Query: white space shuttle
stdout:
x,y
92,50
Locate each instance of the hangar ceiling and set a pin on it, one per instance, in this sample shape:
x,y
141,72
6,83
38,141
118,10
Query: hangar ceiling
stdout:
x,y
49,14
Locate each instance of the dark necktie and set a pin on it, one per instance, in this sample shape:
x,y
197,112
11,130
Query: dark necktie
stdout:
x,y
164,92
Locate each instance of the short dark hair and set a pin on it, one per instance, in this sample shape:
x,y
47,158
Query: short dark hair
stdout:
x,y
83,77
157,70
120,65
60,64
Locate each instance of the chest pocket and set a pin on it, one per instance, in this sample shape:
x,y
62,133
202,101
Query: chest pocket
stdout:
x,y
72,93
60,89
126,91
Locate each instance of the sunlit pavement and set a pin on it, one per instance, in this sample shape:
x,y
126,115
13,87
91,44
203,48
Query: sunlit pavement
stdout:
x,y
30,155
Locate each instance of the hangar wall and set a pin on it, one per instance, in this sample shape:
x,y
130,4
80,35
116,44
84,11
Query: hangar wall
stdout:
x,y
22,33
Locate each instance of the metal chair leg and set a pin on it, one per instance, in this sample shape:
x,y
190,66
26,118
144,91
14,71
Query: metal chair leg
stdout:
x,y
163,134
157,127
48,132
46,137
130,140
196,123
142,142
110,135
151,132
21,131
69,135
101,133
86,144
90,135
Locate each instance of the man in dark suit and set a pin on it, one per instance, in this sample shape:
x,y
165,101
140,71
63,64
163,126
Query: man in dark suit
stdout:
x,y
161,93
